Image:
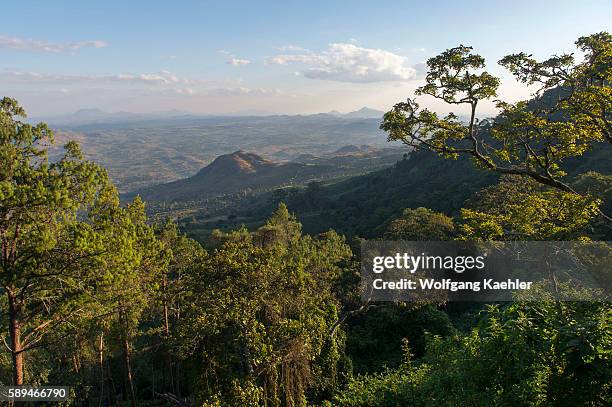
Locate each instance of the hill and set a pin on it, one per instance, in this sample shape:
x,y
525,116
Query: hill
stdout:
x,y
355,205
362,204
227,173
240,171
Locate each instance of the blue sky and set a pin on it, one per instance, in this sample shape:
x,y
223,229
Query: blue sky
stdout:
x,y
280,57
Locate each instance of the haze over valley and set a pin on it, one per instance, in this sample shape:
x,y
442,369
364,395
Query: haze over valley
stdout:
x,y
142,150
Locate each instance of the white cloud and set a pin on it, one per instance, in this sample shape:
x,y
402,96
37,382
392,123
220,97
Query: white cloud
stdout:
x,y
163,78
238,61
345,62
233,60
290,48
185,91
24,44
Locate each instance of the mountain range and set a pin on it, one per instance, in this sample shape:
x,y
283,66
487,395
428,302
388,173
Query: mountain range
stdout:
x,y
96,116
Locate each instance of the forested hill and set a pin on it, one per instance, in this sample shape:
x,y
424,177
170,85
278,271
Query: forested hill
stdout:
x,y
361,205
239,171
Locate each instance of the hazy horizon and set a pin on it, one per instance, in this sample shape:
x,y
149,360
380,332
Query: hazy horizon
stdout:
x,y
178,113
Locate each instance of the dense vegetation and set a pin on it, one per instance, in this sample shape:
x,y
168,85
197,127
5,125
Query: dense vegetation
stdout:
x,y
362,205
132,312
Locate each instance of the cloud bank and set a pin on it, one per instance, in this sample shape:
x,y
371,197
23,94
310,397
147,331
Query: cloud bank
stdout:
x,y
162,82
22,44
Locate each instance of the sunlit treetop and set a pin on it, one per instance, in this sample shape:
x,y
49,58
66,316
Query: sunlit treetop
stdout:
x,y
569,114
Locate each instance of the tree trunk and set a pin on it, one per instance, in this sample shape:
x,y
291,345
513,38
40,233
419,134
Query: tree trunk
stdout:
x,y
128,370
101,366
15,332
165,299
126,358
168,371
177,380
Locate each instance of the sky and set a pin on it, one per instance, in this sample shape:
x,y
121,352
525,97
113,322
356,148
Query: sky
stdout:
x,y
288,57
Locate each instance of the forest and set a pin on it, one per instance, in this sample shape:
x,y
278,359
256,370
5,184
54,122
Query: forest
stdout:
x,y
129,310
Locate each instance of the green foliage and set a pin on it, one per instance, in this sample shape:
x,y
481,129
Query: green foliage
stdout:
x,y
374,338
525,354
592,183
262,332
420,224
531,138
521,209
46,246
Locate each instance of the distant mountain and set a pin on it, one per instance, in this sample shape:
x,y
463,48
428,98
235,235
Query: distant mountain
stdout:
x,y
363,113
92,115
353,150
251,112
97,116
89,114
240,171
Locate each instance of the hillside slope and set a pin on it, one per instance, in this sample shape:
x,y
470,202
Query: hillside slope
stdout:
x,y
240,171
227,173
362,204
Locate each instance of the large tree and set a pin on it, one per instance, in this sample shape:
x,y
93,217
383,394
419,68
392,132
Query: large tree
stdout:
x,y
570,112
45,243
260,314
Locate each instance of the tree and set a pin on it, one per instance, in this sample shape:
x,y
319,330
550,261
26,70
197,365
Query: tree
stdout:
x,y
185,257
420,224
128,274
519,208
586,94
569,115
257,322
45,244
